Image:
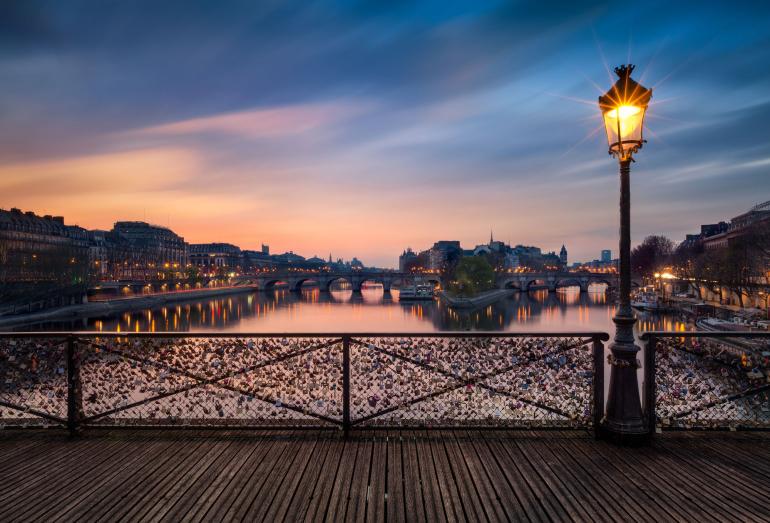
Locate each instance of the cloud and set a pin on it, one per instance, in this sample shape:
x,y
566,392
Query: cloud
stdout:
x,y
124,172
365,127
272,122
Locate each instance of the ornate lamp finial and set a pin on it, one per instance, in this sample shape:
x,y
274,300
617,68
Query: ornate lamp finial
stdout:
x,y
624,71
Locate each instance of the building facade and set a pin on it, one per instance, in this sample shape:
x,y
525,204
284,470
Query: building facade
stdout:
x,y
146,252
38,249
215,257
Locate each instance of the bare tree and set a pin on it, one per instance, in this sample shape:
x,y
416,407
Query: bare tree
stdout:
x,y
651,255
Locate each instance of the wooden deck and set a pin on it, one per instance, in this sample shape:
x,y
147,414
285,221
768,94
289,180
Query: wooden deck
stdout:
x,y
395,476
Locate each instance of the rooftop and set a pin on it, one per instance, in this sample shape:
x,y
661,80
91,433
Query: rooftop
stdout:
x,y
384,475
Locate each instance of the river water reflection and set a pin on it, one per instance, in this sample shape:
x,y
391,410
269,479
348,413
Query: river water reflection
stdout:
x,y
371,311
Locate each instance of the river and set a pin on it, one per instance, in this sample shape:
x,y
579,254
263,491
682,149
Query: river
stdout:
x,y
370,311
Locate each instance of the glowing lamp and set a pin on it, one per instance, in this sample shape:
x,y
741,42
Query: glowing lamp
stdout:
x,y
623,108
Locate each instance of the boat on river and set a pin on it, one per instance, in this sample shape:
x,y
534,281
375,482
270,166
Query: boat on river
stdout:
x,y
646,301
417,291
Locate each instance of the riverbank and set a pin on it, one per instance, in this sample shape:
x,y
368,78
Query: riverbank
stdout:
x,y
117,306
482,300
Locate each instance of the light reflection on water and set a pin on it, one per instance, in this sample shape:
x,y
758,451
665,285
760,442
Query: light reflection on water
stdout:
x,y
371,311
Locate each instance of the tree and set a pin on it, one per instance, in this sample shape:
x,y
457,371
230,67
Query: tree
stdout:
x,y
192,273
687,261
651,255
472,275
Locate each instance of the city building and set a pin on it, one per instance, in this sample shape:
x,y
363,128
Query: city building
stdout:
x,y
757,216
257,260
100,250
407,260
606,256
500,254
42,249
216,257
442,252
718,235
147,252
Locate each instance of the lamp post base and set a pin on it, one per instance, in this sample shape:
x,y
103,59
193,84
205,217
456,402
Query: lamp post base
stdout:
x,y
625,422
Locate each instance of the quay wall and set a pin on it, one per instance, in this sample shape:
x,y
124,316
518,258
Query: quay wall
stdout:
x,y
118,305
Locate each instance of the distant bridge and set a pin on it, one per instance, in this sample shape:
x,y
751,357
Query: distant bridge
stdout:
x,y
296,279
523,281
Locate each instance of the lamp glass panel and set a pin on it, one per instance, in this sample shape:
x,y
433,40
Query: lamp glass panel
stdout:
x,y
624,124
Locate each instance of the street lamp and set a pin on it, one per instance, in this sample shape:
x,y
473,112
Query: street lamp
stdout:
x,y
623,108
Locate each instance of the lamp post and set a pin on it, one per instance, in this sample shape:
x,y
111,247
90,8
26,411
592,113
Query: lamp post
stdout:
x,y
623,108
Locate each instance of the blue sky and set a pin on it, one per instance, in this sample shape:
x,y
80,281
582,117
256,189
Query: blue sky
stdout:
x,y
361,128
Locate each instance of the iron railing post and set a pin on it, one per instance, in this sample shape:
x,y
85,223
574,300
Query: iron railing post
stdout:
x,y
650,385
598,384
346,385
74,389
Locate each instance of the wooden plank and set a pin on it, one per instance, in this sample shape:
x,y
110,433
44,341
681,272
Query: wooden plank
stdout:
x,y
502,489
428,478
396,503
81,492
321,497
338,499
412,484
445,484
209,497
165,493
678,480
657,498
668,486
297,506
573,488
181,497
140,486
15,450
284,481
542,490
49,461
53,479
359,488
378,477
721,489
259,477
105,498
730,449
469,497
613,487
519,475
532,506
481,497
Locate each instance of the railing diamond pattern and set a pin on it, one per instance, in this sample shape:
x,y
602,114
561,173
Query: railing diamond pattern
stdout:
x,y
295,381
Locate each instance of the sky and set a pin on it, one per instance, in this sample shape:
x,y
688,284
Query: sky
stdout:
x,y
362,128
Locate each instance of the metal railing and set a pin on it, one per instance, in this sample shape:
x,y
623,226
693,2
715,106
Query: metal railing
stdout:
x,y
707,380
367,380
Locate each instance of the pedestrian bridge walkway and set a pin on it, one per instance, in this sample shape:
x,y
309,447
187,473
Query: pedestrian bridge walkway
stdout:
x,y
217,475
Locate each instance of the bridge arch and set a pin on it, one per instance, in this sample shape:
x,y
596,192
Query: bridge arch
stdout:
x,y
269,284
569,282
511,283
601,281
296,284
327,284
535,281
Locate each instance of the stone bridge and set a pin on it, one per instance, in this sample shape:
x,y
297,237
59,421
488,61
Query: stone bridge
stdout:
x,y
520,281
324,280
525,281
